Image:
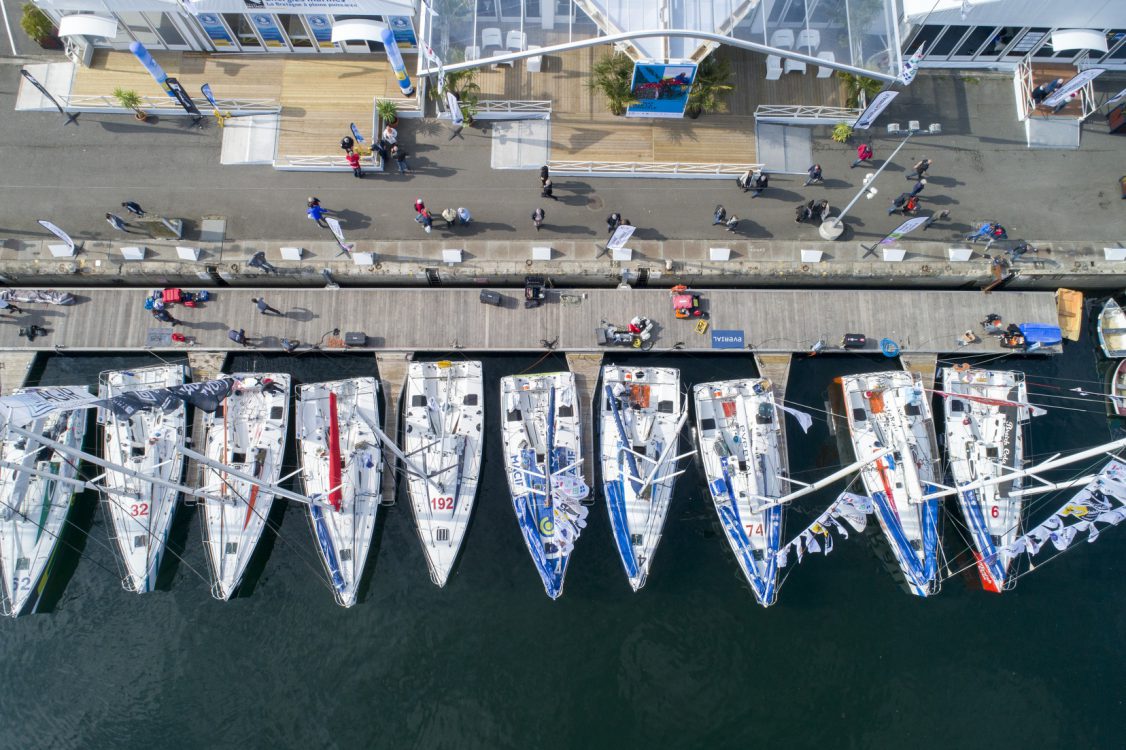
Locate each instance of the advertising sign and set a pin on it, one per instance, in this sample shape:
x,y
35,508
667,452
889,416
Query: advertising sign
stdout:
x,y
1063,92
727,339
874,110
403,30
321,26
908,226
177,92
620,237
660,90
267,29
216,31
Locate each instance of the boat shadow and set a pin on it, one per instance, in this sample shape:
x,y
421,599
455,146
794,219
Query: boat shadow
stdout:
x,y
71,548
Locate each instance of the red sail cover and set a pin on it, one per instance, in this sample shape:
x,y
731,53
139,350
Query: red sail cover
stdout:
x,y
333,453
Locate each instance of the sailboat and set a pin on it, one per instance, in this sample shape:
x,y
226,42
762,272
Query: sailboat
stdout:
x,y
247,433
890,410
34,505
147,441
739,436
1117,390
442,440
541,431
1112,329
986,411
642,415
342,468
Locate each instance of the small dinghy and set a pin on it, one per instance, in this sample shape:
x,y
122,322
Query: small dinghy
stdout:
x,y
986,411
342,468
541,431
739,436
890,411
34,506
148,441
442,439
642,415
1112,330
247,434
1117,390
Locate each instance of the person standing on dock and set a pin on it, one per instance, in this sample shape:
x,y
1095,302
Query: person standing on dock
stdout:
x,y
162,314
317,214
537,218
613,221
9,308
239,337
353,160
117,222
264,309
814,173
918,187
920,169
863,153
133,207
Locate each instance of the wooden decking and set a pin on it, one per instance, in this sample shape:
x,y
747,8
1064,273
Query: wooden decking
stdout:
x,y
445,318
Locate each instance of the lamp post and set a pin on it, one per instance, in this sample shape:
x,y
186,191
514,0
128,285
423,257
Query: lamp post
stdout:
x,y
832,229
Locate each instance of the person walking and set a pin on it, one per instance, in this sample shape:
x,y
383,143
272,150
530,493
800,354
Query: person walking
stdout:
x,y
419,205
821,211
804,212
463,216
863,153
545,173
720,215
613,221
744,180
548,190
239,337
162,314
918,187
317,213
898,203
537,218
117,222
732,223
425,219
258,260
346,144
133,207
919,169
450,216
759,182
354,162
9,308
911,206
934,218
264,309
400,157
814,173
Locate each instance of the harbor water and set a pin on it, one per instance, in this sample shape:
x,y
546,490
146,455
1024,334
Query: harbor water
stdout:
x,y
845,659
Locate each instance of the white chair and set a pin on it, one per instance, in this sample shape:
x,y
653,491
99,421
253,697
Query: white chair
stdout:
x,y
491,38
809,39
822,71
773,67
782,39
535,62
517,41
794,66
473,53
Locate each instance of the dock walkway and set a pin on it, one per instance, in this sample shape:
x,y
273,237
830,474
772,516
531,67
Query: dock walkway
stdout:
x,y
408,320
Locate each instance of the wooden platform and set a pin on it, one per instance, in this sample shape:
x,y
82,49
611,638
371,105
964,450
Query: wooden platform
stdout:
x,y
446,318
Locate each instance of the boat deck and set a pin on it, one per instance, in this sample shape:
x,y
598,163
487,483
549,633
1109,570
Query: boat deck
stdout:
x,y
407,320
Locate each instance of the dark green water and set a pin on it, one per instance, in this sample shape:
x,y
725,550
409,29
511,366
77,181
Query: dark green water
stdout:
x,y
846,659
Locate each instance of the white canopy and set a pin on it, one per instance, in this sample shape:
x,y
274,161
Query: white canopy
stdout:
x,y
307,7
1079,39
357,29
83,24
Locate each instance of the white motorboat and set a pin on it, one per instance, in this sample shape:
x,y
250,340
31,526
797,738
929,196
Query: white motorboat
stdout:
x,y
247,434
147,441
342,468
1111,329
33,505
541,431
891,410
442,439
641,418
986,411
739,436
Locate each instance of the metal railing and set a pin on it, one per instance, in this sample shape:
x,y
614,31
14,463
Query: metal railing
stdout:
x,y
322,163
509,106
406,108
162,105
650,169
805,114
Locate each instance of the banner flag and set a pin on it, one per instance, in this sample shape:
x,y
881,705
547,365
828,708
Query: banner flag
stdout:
x,y
181,95
621,237
911,66
151,65
22,409
334,225
1113,100
206,396
206,89
874,110
58,233
1060,95
848,506
455,109
356,133
35,82
395,59
905,228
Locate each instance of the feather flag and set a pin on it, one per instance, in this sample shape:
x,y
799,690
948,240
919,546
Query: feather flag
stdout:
x,y
911,66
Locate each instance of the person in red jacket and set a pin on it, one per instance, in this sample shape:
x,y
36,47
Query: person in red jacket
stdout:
x,y
354,162
863,154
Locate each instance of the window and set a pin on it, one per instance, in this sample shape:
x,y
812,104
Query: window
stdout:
x,y
244,30
166,28
973,42
295,30
948,42
926,35
139,29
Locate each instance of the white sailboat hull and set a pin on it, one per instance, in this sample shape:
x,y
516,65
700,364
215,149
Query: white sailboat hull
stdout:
x,y
247,433
148,442
443,423
344,502
33,509
641,416
739,437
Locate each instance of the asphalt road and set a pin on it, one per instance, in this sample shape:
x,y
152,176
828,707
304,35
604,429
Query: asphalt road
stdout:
x,y
74,174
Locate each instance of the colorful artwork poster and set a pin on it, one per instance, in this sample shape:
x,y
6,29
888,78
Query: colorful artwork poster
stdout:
x,y
661,90
321,27
403,30
268,29
213,26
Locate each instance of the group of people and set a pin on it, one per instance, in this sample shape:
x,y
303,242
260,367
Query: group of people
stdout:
x,y
753,181
815,211
387,147
120,224
1046,89
453,217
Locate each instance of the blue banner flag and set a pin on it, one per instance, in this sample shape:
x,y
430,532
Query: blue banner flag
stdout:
x,y
356,133
727,339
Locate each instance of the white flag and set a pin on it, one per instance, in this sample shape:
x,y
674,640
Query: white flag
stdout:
x,y
455,109
58,233
334,225
803,418
783,556
1060,95
911,67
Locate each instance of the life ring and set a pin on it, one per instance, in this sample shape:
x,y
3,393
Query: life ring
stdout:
x,y
889,348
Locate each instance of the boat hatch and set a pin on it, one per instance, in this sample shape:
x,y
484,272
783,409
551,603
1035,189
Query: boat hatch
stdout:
x,y
470,399
992,451
639,396
566,410
23,563
238,458
138,541
277,413
636,540
957,406
917,544
756,554
137,451
231,548
442,534
765,414
665,407
539,459
859,415
345,555
639,449
513,415
707,425
418,400
742,465
912,410
996,540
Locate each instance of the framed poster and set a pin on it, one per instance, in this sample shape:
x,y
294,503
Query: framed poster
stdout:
x,y
661,89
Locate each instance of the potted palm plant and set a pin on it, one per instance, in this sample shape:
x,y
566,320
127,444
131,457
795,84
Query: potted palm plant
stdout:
x,y
39,26
388,112
130,100
709,89
463,85
612,76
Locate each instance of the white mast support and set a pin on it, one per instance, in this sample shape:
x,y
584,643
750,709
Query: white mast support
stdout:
x,y
86,484
411,467
836,475
271,488
664,455
1052,486
1053,463
78,453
